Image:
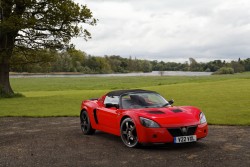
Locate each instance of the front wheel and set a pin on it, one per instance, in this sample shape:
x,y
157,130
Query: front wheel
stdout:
x,y
128,133
85,124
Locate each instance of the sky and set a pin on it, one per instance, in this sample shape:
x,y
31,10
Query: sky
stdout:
x,y
169,30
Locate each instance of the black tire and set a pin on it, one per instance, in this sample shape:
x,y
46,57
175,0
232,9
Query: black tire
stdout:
x,y
86,124
128,133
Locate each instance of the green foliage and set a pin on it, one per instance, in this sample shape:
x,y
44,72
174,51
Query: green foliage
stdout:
x,y
246,64
46,23
146,66
237,66
223,98
214,65
208,70
31,26
169,66
194,66
72,60
225,70
33,61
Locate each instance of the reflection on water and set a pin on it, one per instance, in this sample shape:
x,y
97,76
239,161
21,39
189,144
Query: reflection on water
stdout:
x,y
153,73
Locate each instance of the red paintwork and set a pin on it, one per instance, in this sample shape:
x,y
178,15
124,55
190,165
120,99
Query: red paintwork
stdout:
x,y
109,120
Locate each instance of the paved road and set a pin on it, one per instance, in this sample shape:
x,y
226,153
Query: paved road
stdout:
x,y
59,142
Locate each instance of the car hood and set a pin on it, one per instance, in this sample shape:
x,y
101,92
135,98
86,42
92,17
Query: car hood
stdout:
x,y
172,116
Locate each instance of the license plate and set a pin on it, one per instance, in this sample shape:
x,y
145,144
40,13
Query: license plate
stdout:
x,y
185,139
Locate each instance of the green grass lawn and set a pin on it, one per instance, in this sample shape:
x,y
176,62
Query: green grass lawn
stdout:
x,y
224,99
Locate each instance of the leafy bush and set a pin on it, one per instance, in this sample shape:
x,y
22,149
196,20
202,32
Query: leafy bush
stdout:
x,y
208,70
224,70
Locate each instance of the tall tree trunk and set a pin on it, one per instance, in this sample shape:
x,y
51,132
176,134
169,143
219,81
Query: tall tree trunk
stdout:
x,y
6,49
5,88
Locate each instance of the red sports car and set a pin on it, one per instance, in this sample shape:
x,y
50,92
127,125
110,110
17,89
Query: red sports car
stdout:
x,y
142,116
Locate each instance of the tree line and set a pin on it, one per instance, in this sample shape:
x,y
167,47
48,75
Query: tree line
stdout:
x,y
72,60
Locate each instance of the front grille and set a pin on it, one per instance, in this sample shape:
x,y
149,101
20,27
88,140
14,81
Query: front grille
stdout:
x,y
180,131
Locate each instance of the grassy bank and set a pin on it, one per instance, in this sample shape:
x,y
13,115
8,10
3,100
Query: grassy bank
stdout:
x,y
225,99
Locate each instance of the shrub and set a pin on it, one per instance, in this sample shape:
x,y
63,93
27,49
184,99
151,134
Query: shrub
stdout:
x,y
224,70
208,70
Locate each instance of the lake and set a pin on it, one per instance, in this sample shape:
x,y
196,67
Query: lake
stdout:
x,y
153,73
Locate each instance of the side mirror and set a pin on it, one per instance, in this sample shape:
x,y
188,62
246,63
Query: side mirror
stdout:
x,y
171,101
110,105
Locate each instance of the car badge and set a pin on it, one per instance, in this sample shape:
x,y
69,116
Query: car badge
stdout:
x,y
184,130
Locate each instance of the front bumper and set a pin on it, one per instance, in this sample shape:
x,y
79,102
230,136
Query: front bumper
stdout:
x,y
163,135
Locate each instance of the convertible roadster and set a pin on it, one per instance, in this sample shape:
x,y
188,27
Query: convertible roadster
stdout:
x,y
142,116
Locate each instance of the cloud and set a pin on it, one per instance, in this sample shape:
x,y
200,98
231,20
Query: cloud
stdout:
x,y
169,30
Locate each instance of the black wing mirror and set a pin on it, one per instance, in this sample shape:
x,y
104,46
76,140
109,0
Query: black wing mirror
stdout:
x,y
110,105
171,101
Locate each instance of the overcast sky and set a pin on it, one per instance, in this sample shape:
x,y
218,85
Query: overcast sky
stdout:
x,y
169,30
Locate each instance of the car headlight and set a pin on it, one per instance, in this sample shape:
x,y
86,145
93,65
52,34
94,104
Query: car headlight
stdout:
x,y
148,123
202,118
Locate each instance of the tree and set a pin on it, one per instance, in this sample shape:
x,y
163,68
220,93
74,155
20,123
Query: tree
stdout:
x,y
146,66
213,65
237,66
27,62
194,66
38,24
247,64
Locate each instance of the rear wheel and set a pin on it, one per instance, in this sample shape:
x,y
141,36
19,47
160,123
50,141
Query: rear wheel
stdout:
x,y
85,124
128,133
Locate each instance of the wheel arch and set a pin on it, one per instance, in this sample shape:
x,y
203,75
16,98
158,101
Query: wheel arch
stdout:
x,y
83,109
124,117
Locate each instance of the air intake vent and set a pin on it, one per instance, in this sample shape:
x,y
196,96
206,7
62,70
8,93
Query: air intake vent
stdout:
x,y
156,112
176,110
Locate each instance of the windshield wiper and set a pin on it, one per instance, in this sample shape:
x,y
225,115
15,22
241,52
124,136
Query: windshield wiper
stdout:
x,y
164,105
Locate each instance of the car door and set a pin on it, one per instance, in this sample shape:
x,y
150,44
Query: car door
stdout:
x,y
108,117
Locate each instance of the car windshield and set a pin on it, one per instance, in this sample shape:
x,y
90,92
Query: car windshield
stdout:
x,y
143,100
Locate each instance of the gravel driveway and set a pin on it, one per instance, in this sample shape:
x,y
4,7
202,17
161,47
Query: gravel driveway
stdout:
x,y
59,142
